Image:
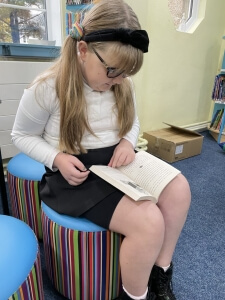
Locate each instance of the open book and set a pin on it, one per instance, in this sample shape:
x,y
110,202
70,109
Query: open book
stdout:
x,y
143,179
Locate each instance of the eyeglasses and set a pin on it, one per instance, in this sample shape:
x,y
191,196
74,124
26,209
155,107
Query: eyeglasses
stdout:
x,y
111,72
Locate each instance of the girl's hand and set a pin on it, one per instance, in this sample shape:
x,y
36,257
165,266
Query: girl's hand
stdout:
x,y
123,154
71,168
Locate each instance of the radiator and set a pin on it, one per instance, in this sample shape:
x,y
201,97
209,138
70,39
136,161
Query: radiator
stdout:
x,y
15,76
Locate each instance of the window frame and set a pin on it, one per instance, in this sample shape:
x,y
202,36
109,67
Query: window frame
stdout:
x,y
193,21
54,14
54,33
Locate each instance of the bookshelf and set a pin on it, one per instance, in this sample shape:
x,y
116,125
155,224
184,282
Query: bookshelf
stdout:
x,y
217,133
217,125
75,11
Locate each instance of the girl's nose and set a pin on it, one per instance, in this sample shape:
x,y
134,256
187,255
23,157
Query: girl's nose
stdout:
x,y
118,79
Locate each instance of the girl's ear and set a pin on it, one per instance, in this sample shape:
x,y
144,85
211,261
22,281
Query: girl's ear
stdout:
x,y
83,49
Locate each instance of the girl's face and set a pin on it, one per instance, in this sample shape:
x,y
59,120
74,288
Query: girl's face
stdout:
x,y
94,70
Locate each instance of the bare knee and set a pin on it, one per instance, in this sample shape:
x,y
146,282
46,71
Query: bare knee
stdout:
x,y
151,220
182,186
148,229
176,193
140,219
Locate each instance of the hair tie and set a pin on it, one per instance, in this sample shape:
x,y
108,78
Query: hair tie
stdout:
x,y
77,31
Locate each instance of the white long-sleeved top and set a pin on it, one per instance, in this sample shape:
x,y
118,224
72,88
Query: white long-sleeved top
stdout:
x,y
36,127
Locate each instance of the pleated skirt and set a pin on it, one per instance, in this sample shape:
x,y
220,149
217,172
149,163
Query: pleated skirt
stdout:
x,y
94,199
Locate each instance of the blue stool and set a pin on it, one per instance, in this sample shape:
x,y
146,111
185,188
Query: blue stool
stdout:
x,y
20,265
82,258
23,175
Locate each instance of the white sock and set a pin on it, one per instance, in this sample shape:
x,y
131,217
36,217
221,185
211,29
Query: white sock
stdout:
x,y
143,297
165,268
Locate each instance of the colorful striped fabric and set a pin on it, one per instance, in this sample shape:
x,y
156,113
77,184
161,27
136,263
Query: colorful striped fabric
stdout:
x,y
82,265
32,287
25,202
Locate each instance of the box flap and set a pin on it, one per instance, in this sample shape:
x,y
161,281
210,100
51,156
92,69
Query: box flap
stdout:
x,y
183,129
175,135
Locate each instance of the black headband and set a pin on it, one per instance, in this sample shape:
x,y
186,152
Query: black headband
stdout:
x,y
136,38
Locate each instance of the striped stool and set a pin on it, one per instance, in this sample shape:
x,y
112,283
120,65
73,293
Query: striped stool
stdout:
x,y
24,174
20,265
82,259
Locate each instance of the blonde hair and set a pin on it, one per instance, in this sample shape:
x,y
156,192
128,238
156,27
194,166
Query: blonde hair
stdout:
x,y
68,76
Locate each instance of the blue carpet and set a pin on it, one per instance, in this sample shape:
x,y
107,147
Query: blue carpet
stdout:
x,y
199,262
199,256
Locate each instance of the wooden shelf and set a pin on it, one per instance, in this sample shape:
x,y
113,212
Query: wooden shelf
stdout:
x,y
215,135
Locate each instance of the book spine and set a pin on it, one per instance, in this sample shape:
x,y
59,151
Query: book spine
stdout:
x,y
214,118
219,116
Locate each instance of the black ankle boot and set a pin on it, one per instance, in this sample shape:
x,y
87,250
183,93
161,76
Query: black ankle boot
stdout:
x,y
123,296
160,283
151,295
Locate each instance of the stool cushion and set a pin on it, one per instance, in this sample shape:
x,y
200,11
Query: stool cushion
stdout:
x,y
79,223
24,175
24,167
18,252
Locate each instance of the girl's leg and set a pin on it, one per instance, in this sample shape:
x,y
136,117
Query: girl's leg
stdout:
x,y
142,225
174,203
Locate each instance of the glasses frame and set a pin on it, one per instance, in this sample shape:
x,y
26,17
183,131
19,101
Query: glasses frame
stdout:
x,y
110,70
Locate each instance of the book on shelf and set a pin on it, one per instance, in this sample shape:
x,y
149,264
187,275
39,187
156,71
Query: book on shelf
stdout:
x,y
218,125
214,118
218,92
143,179
218,119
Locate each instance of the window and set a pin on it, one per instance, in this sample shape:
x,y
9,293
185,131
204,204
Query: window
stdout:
x,y
30,22
186,14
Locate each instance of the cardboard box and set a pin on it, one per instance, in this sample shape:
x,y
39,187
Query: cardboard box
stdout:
x,y
173,143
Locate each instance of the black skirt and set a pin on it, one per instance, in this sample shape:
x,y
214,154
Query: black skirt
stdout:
x,y
94,199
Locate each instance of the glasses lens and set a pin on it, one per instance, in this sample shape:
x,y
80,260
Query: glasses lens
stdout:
x,y
113,72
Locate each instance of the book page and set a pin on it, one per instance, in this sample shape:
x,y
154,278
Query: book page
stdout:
x,y
122,182
150,172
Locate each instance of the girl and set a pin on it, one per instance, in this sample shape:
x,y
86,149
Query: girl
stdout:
x,y
81,112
